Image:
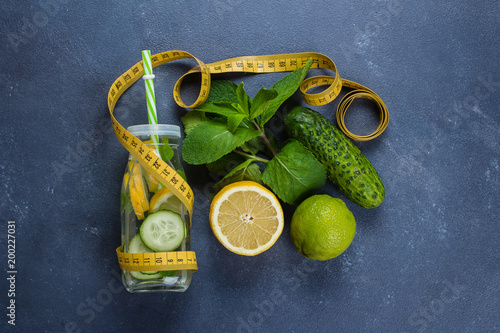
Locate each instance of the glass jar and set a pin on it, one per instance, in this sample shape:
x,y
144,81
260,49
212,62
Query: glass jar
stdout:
x,y
143,198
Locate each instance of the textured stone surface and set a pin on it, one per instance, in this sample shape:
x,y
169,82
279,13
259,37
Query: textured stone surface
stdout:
x,y
426,260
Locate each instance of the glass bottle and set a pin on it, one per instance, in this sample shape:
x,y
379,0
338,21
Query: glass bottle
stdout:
x,y
142,196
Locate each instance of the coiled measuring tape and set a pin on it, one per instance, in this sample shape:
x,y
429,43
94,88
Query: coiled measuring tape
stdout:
x,y
251,64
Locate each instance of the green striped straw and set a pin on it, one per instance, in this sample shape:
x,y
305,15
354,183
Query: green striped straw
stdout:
x,y
150,92
150,97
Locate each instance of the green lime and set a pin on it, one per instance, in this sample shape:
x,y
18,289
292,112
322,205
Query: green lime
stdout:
x,y
322,227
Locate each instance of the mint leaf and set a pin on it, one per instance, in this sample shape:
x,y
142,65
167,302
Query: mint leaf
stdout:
x,y
166,152
192,119
285,87
225,164
294,173
222,91
125,202
243,100
250,147
261,101
211,140
222,108
232,111
258,144
234,117
245,171
233,121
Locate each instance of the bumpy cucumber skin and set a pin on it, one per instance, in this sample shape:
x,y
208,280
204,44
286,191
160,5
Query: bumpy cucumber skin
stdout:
x,y
346,166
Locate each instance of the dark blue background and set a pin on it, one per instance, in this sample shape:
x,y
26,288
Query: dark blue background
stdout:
x,y
426,260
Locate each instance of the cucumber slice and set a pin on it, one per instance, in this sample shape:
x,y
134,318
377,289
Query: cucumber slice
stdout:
x,y
142,276
137,246
163,231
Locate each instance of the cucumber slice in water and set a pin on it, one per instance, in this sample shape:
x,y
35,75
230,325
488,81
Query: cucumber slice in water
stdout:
x,y
137,246
142,276
163,231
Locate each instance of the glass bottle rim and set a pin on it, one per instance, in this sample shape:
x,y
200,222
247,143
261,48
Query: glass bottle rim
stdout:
x,y
158,129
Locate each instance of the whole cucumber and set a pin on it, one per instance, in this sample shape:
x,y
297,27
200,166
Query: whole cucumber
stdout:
x,y
345,164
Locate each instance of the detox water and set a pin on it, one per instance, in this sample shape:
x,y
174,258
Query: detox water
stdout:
x,y
143,198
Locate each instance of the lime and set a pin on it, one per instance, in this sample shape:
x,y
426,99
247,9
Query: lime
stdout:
x,y
322,227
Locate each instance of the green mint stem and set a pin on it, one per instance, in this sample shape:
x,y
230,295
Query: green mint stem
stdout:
x,y
264,137
253,157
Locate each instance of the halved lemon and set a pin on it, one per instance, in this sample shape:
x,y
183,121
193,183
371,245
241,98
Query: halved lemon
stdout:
x,y
165,199
246,218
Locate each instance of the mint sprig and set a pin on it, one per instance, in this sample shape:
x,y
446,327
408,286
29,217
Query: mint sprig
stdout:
x,y
228,134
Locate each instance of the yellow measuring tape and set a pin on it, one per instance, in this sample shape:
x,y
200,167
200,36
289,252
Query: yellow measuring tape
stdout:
x,y
252,64
157,261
